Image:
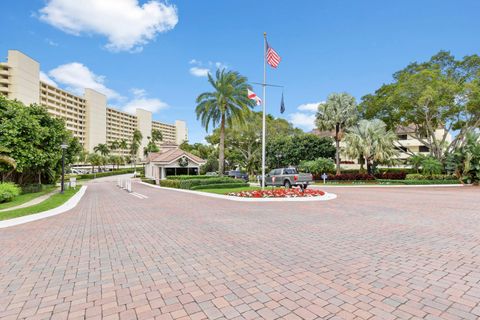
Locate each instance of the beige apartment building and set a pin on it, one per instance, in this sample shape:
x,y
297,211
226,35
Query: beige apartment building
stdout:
x,y
89,118
407,144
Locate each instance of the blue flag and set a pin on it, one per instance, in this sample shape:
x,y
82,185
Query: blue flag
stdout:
x,y
282,105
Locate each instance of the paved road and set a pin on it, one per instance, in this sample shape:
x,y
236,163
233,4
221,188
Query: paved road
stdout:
x,y
378,253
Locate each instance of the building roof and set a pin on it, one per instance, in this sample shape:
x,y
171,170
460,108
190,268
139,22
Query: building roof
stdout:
x,y
171,155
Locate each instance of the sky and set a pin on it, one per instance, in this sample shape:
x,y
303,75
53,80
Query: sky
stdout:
x,y
156,55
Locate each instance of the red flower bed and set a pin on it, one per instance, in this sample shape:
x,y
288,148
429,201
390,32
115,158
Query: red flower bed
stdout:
x,y
278,193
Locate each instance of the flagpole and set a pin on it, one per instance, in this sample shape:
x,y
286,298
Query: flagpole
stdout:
x,y
264,105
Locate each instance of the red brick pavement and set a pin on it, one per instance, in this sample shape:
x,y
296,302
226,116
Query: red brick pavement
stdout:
x,y
370,254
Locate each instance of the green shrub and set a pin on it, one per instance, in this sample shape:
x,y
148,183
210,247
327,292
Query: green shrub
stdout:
x,y
416,176
415,182
317,166
8,191
107,174
222,186
32,188
170,183
146,180
431,166
189,183
191,177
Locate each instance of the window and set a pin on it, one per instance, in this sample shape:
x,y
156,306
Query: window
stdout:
x,y
423,149
402,149
402,137
290,171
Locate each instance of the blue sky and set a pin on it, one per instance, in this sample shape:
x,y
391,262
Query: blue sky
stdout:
x,y
153,54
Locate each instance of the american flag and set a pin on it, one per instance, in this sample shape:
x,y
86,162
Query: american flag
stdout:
x,y
273,59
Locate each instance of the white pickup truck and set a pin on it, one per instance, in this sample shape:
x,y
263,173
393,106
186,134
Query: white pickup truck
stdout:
x,y
288,177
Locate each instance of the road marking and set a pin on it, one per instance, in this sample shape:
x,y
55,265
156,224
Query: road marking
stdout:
x,y
139,195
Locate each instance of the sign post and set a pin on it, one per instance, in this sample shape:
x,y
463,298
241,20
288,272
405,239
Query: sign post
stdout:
x,y
324,177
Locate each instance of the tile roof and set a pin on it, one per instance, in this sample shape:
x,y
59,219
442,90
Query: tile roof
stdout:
x,y
172,154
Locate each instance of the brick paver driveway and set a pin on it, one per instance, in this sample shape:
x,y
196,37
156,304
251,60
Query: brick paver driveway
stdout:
x,y
384,253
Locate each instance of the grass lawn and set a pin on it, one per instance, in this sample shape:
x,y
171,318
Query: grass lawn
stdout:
x,y
23,198
52,202
228,190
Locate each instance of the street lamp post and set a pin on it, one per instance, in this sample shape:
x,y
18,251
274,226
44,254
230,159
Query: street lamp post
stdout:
x,y
64,146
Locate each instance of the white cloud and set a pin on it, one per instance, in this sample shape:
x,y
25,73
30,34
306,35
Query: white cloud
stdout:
x,y
303,120
76,77
142,102
47,79
202,70
310,107
127,24
199,72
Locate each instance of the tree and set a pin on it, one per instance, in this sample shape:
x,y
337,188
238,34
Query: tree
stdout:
x,y
122,144
284,151
102,149
464,161
244,141
416,161
33,138
5,159
371,140
226,104
156,136
135,145
431,166
114,145
317,166
440,93
95,160
336,114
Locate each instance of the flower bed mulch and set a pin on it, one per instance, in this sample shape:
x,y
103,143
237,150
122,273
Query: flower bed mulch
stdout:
x,y
278,193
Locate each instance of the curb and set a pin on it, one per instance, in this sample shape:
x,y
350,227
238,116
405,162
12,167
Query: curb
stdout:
x,y
70,204
326,197
391,186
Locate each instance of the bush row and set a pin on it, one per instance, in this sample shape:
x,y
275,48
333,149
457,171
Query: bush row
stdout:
x,y
191,177
189,184
8,191
348,177
170,183
107,174
222,186
416,176
415,182
400,175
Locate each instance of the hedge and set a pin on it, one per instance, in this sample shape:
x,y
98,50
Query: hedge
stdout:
x,y
350,177
8,191
415,182
188,184
193,177
417,176
222,186
400,175
106,174
170,183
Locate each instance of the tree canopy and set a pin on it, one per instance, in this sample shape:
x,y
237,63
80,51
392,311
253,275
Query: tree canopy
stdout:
x,y
440,93
33,138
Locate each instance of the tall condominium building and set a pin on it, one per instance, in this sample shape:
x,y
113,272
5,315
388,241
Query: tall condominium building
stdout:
x,y
87,117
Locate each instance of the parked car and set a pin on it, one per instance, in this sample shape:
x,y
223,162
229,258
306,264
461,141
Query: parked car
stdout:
x,y
288,177
235,174
211,174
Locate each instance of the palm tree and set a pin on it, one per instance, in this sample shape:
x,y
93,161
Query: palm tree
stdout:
x,y
228,102
156,136
337,113
122,144
114,145
102,148
95,160
371,141
135,145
